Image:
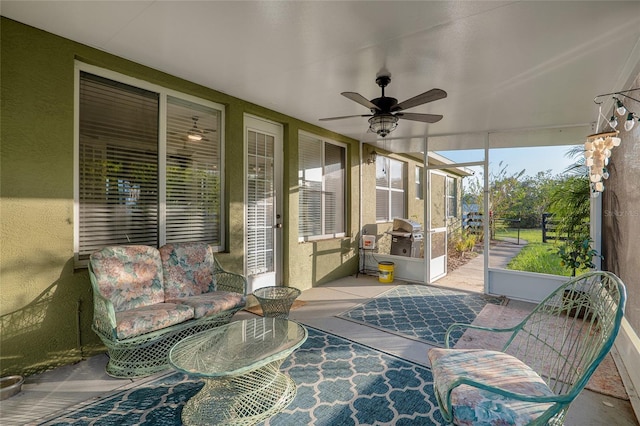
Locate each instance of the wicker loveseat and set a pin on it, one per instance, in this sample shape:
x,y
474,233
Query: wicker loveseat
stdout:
x,y
146,300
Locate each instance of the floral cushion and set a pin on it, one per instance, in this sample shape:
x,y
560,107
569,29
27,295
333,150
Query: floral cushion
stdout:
x,y
129,276
473,406
212,303
188,269
146,319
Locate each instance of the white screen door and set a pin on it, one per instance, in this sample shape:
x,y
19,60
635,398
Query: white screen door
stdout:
x,y
263,210
438,226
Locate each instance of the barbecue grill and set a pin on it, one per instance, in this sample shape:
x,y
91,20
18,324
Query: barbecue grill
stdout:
x,y
406,238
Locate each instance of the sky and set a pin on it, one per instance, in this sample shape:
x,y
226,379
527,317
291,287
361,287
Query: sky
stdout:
x,y
532,160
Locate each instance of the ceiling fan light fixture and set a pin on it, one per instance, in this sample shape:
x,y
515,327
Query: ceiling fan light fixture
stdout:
x,y
383,124
194,136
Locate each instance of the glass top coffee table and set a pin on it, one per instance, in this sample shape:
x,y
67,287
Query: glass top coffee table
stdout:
x,y
240,365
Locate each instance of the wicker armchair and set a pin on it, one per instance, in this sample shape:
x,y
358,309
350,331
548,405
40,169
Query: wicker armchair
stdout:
x,y
546,362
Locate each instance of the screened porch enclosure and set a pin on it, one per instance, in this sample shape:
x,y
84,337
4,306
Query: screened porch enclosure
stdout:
x,y
497,281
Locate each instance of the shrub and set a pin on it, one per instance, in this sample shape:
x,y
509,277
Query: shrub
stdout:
x,y
577,254
464,242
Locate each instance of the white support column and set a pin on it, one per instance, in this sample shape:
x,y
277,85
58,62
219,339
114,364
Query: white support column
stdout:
x,y
595,231
426,194
360,218
485,216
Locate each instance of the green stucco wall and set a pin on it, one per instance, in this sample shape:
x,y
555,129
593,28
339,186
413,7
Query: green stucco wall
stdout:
x,y
414,205
46,305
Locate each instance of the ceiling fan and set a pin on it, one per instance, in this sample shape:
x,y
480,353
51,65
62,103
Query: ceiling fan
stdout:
x,y
195,133
386,111
182,148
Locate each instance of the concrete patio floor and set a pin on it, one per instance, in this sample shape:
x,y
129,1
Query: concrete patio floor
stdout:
x,y
52,392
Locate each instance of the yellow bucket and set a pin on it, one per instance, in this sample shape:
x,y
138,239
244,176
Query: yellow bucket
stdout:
x,y
385,272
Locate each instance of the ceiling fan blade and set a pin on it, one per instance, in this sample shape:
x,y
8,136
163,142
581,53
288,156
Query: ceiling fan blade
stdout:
x,y
425,118
357,97
426,97
344,116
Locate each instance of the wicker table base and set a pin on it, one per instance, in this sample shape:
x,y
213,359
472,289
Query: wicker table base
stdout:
x,y
240,366
276,301
243,400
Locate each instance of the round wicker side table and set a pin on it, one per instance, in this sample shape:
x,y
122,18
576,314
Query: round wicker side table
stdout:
x,y
276,301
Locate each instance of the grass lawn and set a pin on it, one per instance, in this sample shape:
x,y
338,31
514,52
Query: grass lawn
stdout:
x,y
536,256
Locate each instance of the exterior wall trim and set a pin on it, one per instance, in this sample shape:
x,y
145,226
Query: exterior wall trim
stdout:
x,y
626,355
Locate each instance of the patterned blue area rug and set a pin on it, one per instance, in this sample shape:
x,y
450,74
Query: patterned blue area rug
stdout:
x,y
339,382
421,312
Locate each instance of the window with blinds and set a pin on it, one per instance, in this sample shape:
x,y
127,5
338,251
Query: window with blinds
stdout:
x,y
419,194
128,193
390,189
321,186
452,197
261,209
193,173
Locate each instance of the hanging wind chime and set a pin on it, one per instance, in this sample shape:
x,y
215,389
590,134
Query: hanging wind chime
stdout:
x,y
597,150
598,147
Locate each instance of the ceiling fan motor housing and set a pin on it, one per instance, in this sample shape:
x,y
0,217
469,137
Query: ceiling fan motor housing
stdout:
x,y
384,103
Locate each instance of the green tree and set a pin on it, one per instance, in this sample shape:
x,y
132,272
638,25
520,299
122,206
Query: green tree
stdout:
x,y
513,196
501,188
570,206
569,201
531,198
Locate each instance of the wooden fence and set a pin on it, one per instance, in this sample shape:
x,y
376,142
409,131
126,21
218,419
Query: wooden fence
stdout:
x,y
550,228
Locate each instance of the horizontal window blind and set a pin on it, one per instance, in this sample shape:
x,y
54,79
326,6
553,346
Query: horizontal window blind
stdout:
x,y
193,173
310,186
260,203
382,205
321,186
120,190
452,197
118,157
419,172
397,204
334,194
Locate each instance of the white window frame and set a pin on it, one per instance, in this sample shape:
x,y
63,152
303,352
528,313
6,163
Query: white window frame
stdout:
x,y
389,190
324,235
163,93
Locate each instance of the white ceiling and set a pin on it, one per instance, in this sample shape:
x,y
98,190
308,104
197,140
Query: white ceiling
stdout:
x,y
505,65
